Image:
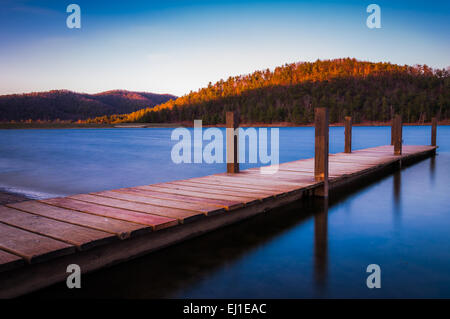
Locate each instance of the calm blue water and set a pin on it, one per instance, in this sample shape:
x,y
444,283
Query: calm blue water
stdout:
x,y
310,249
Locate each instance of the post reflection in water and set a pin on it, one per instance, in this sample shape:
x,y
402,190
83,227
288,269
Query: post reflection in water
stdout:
x,y
432,167
397,183
321,244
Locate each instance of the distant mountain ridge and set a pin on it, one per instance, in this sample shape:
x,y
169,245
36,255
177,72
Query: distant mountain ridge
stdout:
x,y
367,91
66,105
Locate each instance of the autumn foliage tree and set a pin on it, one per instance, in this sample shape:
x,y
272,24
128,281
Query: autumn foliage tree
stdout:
x,y
365,90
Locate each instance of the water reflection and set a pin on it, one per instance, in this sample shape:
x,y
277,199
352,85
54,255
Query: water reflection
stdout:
x,y
397,183
432,168
321,244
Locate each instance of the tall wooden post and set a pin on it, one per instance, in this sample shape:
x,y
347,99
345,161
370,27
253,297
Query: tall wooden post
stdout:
x,y
321,148
232,143
392,130
433,131
398,135
348,134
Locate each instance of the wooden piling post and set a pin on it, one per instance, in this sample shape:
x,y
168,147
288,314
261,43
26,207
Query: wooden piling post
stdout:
x,y
232,143
392,130
398,128
433,131
321,148
348,134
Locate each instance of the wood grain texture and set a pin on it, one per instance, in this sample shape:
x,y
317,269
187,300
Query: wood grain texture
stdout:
x,y
10,261
228,205
154,221
205,208
200,188
81,237
179,191
181,215
120,228
32,247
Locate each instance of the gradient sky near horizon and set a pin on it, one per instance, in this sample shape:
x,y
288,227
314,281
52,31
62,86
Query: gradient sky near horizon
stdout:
x,y
179,46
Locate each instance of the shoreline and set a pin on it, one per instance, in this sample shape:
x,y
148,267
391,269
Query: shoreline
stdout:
x,y
187,124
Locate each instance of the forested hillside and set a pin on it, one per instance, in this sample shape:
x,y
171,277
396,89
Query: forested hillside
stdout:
x,y
365,90
66,105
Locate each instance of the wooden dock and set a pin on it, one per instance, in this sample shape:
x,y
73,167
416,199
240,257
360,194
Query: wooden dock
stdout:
x,y
40,238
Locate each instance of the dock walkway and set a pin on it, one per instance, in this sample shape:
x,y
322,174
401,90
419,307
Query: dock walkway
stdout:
x,y
40,238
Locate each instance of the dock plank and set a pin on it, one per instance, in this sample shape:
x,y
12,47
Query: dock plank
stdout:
x,y
199,195
205,208
196,187
154,221
252,180
122,229
228,205
181,215
32,247
203,191
245,191
10,261
237,185
81,237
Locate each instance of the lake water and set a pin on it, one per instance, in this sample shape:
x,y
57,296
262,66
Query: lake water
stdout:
x,y
309,249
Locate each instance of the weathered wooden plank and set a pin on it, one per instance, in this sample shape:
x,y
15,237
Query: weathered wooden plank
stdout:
x,y
244,191
10,261
199,195
205,208
208,190
280,178
122,229
32,247
238,186
257,178
228,205
181,215
243,179
154,221
81,237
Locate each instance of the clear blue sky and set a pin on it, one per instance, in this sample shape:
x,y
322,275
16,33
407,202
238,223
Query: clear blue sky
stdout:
x,y
178,46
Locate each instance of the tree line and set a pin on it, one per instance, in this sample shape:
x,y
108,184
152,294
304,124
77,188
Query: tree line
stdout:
x,y
366,91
